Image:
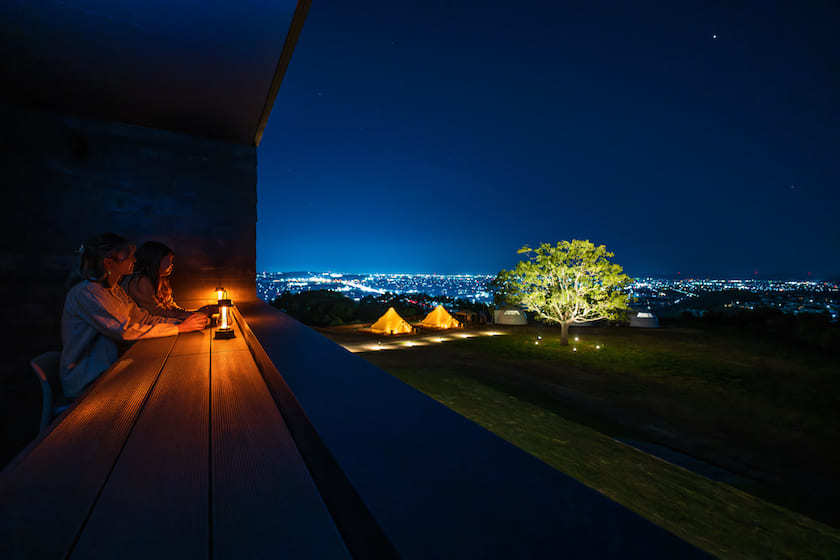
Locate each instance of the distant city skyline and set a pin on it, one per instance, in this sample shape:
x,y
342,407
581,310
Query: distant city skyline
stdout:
x,y
661,295
677,275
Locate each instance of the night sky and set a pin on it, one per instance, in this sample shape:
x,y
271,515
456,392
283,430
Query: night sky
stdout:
x,y
442,136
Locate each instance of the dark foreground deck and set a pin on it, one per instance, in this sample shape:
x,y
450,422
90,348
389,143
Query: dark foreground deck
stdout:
x,y
280,443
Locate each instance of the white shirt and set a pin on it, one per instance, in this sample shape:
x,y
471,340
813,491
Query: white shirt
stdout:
x,y
94,317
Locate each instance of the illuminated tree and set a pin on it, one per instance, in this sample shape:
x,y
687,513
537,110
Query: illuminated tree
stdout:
x,y
572,282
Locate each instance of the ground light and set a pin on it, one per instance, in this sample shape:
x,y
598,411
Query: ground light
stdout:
x,y
417,342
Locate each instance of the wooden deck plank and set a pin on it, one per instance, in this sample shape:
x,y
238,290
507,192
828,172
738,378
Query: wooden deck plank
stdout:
x,y
263,498
192,343
46,497
156,499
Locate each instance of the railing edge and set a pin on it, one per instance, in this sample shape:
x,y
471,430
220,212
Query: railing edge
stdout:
x,y
362,534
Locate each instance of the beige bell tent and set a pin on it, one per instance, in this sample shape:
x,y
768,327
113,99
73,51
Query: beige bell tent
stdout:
x,y
439,318
391,323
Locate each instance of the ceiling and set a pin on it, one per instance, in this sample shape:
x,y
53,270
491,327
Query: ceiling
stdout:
x,y
202,67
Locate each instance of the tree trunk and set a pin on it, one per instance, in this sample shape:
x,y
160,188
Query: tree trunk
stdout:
x,y
564,333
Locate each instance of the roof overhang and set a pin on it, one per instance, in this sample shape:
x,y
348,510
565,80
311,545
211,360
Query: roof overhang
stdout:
x,y
210,69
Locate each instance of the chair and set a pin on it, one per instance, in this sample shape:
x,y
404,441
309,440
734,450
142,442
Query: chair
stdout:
x,y
45,367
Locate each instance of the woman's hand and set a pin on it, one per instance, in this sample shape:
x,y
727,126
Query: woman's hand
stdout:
x,y
194,322
208,309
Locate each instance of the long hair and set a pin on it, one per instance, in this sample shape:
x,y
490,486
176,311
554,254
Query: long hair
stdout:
x,y
148,257
93,253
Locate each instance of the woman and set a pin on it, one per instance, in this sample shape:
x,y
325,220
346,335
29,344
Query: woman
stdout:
x,y
98,314
149,285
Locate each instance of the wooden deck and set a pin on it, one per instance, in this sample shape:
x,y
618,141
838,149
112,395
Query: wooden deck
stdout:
x,y
178,450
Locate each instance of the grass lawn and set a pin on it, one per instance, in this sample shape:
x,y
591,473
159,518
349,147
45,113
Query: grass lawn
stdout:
x,y
719,396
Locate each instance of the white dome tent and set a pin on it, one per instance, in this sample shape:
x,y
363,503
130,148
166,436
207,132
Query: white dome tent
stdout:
x,y
510,317
643,319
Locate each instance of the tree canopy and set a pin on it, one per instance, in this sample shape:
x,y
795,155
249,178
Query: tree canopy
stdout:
x,y
571,282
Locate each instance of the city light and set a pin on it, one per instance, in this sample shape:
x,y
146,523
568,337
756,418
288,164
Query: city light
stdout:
x,y
653,296
471,287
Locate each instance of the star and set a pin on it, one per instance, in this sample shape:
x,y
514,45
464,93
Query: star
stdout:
x,y
714,36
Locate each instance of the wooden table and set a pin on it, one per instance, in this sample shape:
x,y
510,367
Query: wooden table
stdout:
x,y
178,450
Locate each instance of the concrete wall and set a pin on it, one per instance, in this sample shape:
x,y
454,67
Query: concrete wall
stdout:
x,y
65,179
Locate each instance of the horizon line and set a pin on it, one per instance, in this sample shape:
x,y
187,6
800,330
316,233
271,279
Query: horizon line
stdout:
x,y
774,276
